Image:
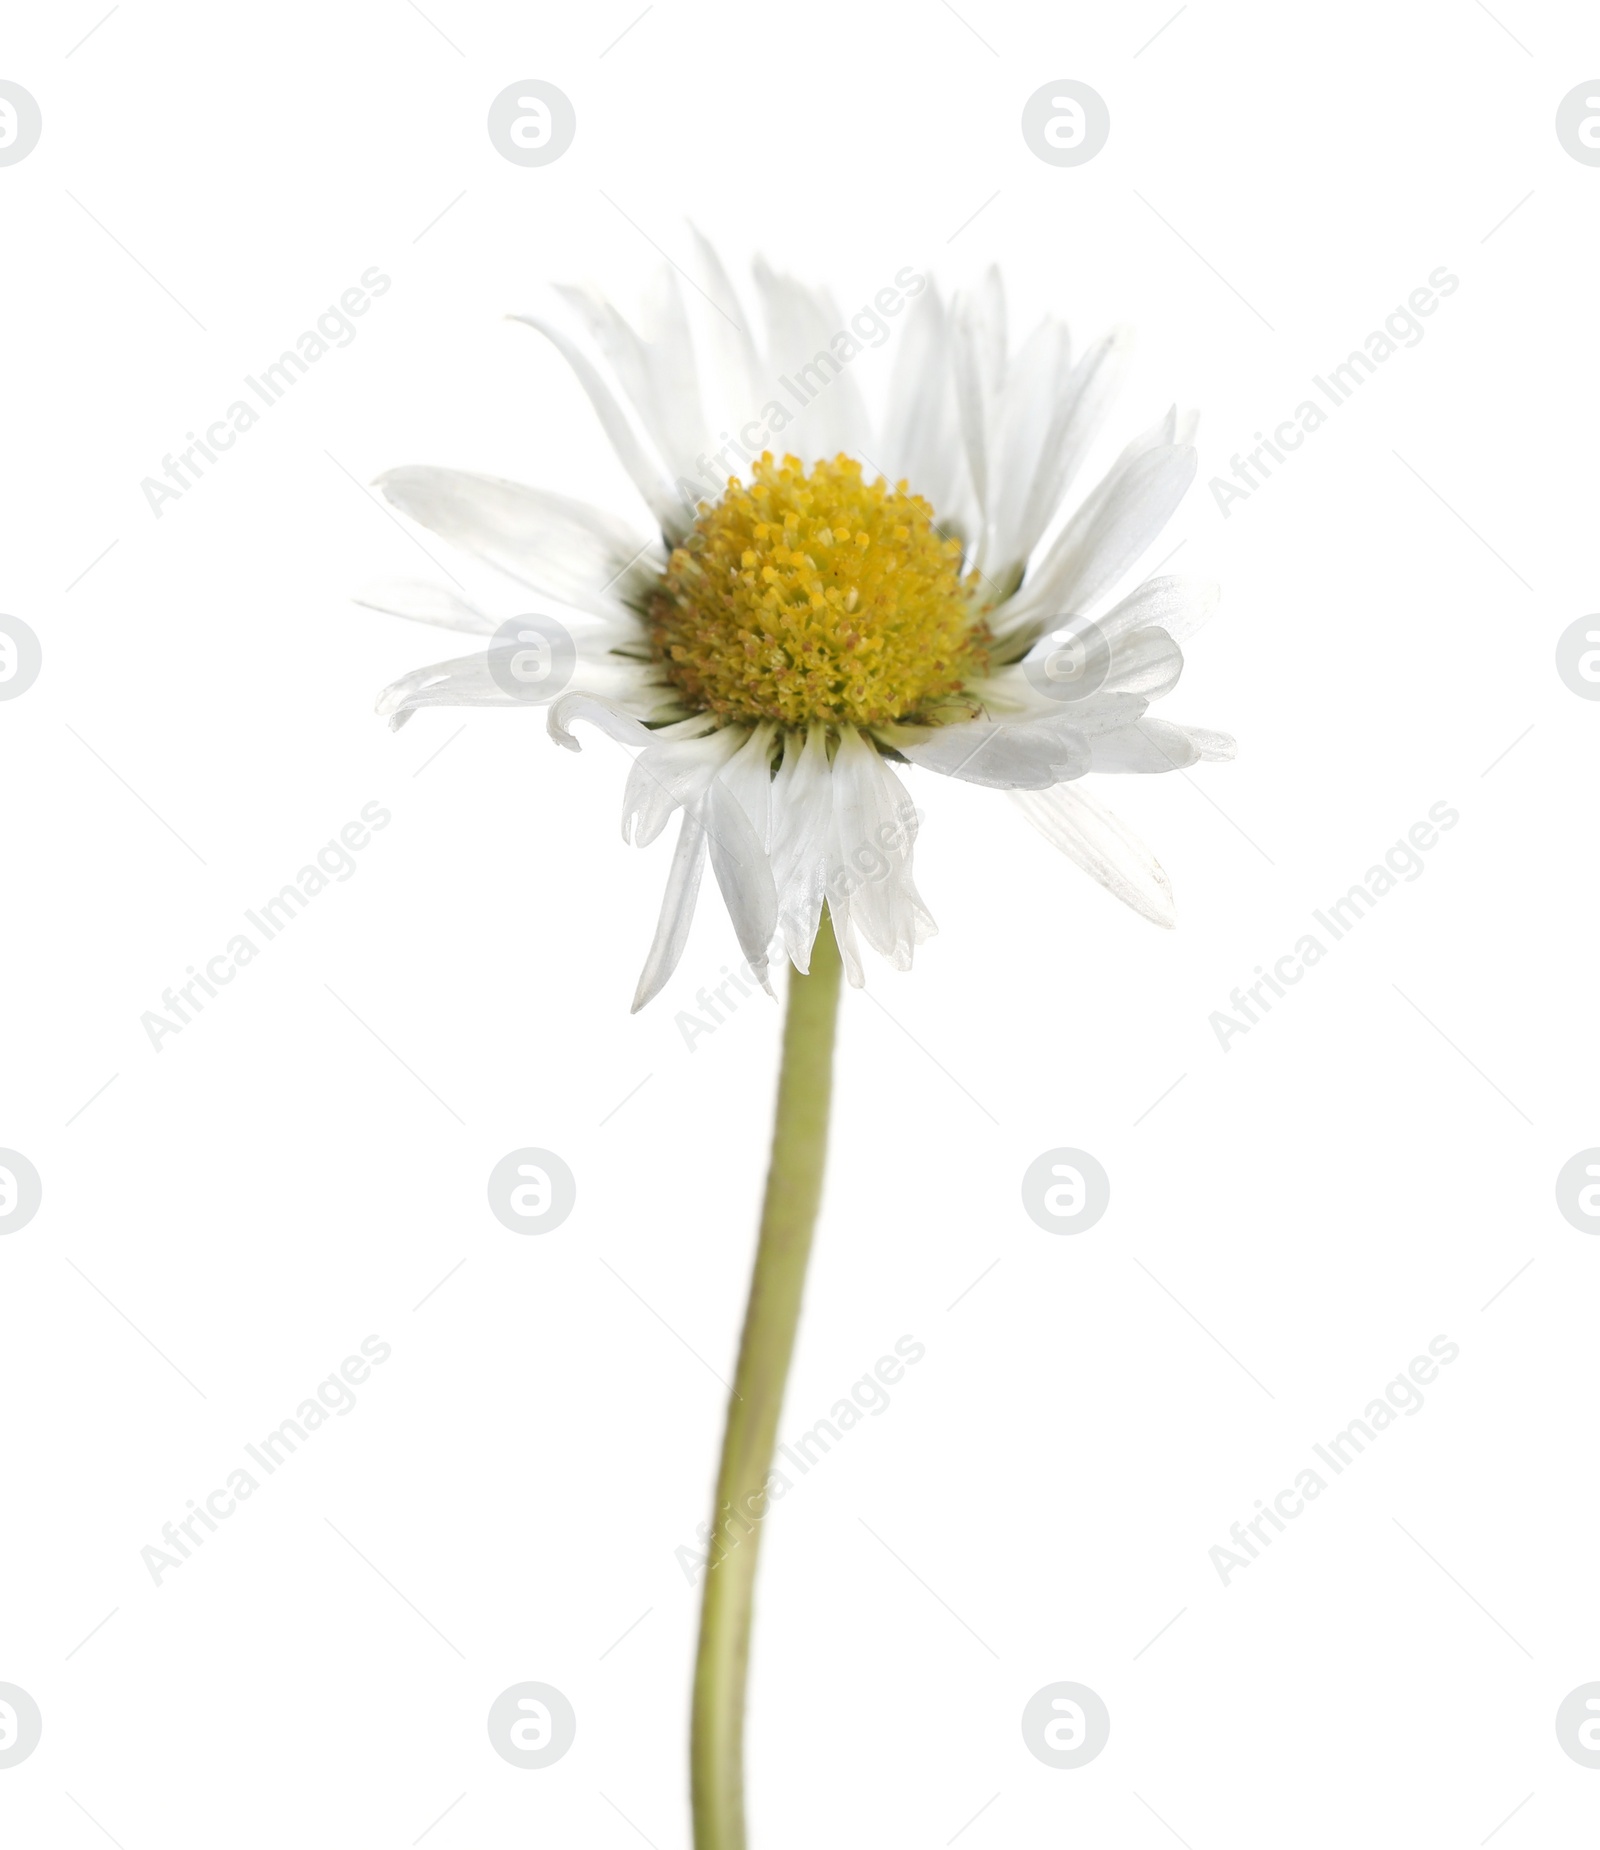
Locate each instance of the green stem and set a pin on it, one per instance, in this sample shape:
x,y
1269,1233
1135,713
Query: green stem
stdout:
x,y
794,1188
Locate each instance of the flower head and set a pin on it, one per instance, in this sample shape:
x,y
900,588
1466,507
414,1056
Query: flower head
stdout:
x,y
810,616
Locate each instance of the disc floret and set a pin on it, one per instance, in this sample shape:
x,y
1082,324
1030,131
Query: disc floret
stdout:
x,y
815,596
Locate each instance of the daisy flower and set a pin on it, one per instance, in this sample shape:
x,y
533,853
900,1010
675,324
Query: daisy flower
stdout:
x,y
830,597
826,600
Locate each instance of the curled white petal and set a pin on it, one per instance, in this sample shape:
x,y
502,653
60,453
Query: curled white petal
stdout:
x,y
670,774
464,682
614,720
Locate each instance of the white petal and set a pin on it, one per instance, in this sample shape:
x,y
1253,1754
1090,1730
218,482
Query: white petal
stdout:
x,y
464,682
982,311
468,682
977,386
1009,698
1162,435
1006,755
677,910
844,936
922,444
744,874
1148,747
425,603
1177,605
613,719
564,548
802,823
748,774
735,384
1106,535
1210,747
1104,712
1102,846
852,428
1080,410
674,369
1146,662
1030,395
978,329
800,329
658,374
670,774
672,513
875,826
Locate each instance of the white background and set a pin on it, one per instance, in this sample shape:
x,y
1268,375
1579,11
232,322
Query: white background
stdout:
x,y
1361,1172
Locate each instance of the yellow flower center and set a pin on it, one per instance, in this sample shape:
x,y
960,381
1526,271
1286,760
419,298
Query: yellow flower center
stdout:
x,y
809,596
